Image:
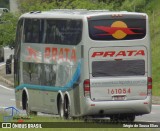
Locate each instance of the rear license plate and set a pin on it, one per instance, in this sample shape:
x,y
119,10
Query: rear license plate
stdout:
x,y
118,98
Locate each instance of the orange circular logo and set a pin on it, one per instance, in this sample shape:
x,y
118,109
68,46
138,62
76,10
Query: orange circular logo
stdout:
x,y
119,33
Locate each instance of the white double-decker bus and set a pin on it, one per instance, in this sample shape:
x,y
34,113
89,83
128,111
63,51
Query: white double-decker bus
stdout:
x,y
79,63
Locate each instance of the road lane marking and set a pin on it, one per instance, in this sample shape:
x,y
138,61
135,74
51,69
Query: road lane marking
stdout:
x,y
12,99
3,107
6,88
145,121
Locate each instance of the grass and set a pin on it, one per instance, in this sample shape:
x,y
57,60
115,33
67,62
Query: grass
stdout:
x,y
95,126
154,17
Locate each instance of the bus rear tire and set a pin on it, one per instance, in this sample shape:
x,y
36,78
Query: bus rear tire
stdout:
x,y
127,117
60,108
131,118
122,118
66,109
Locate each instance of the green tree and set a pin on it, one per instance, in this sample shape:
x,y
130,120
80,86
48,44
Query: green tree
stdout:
x,y
39,5
135,5
8,29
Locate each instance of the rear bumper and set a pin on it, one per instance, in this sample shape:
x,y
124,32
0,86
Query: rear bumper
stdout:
x,y
137,107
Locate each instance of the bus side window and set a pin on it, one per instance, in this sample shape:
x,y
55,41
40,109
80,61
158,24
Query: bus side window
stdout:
x,y
48,36
32,31
67,32
27,30
53,32
35,34
28,35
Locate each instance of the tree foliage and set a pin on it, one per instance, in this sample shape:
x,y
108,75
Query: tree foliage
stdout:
x,y
8,29
135,5
39,5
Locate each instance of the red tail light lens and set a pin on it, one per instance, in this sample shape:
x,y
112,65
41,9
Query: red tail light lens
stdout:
x,y
86,86
149,83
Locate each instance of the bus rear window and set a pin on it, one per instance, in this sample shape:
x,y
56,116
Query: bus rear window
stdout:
x,y
118,68
117,29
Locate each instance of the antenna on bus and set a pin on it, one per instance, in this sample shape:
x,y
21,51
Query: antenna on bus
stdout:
x,y
69,10
99,10
35,12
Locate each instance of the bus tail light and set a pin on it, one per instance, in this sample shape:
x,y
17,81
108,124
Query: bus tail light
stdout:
x,y
86,86
149,85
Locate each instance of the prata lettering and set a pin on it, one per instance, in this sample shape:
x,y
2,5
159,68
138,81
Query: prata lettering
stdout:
x,y
60,54
119,53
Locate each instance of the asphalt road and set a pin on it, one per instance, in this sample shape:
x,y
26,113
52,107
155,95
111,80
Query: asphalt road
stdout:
x,y
154,116
7,99
7,96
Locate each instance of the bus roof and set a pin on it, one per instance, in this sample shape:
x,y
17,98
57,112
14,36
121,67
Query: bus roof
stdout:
x,y
76,13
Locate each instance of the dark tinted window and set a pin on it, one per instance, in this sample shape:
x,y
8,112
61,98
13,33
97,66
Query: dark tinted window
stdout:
x,y
33,30
67,32
118,68
17,51
39,74
117,29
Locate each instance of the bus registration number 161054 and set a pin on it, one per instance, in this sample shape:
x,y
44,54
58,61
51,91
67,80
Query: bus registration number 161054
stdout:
x,y
119,91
